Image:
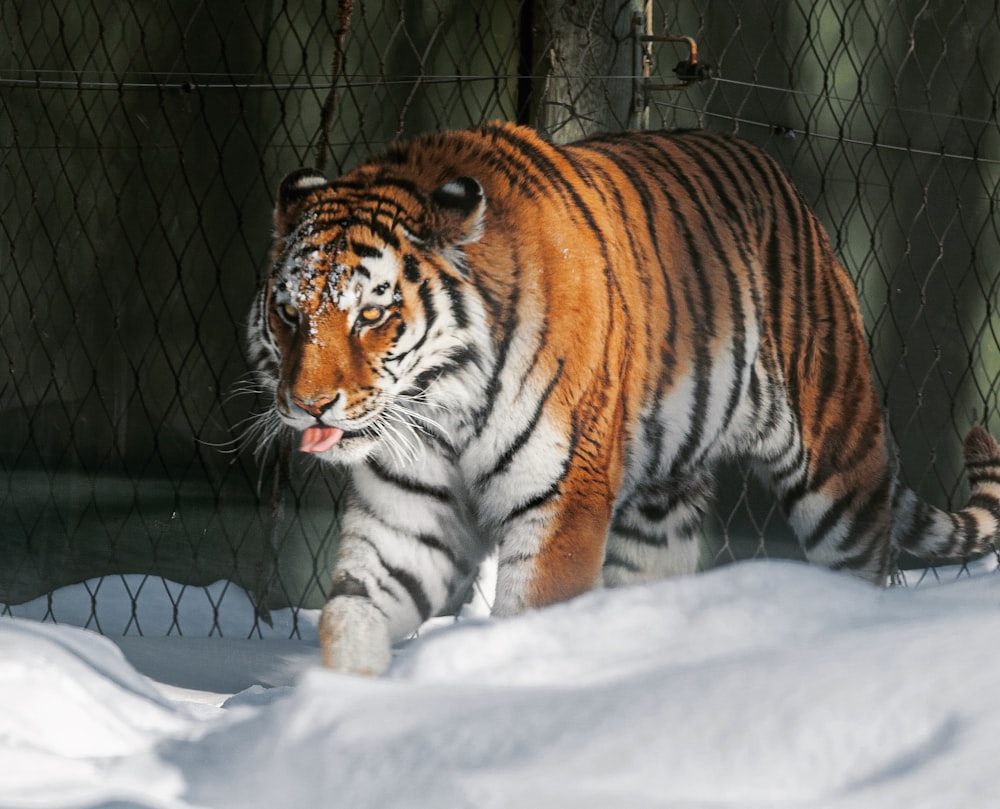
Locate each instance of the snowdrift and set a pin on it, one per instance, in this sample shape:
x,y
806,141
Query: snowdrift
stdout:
x,y
754,685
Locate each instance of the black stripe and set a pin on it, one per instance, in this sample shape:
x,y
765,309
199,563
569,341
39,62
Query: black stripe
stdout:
x,y
347,585
414,588
858,561
783,269
612,559
452,362
377,515
965,533
507,457
756,393
459,357
920,521
782,461
361,538
866,518
454,293
410,583
653,433
655,511
985,501
639,536
793,495
508,326
803,270
829,361
362,250
978,478
701,340
552,491
534,502
867,437
503,156
436,544
989,463
411,268
831,517
383,232
438,493
427,299
356,210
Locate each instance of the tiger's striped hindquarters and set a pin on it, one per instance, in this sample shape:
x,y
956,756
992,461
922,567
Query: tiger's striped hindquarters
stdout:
x,y
544,351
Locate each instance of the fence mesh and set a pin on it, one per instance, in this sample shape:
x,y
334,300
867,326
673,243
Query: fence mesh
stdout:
x,y
140,145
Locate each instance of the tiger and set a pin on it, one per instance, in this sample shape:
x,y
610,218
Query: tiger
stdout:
x,y
542,352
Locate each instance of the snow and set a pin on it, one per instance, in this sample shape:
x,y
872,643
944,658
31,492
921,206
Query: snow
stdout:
x,y
759,684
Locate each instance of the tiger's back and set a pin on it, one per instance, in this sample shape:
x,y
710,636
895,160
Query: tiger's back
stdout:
x,y
545,350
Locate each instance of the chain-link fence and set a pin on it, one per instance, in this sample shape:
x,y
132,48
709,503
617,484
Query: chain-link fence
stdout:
x,y
140,145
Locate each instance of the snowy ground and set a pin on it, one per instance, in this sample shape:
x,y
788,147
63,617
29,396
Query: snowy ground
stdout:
x,y
761,684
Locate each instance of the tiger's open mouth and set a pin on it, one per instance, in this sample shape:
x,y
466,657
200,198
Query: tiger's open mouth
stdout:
x,y
321,438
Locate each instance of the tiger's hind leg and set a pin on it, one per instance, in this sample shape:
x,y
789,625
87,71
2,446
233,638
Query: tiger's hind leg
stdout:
x,y
857,516
837,494
655,532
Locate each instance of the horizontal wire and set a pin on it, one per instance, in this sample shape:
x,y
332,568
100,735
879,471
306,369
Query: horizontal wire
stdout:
x,y
208,81
200,83
246,81
859,101
870,144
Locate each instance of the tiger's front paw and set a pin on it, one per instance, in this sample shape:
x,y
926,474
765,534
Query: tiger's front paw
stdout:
x,y
354,636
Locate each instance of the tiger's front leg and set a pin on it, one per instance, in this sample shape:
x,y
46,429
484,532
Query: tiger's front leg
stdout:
x,y
404,556
552,550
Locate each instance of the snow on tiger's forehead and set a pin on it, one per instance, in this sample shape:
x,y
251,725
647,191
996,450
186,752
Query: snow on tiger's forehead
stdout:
x,y
335,265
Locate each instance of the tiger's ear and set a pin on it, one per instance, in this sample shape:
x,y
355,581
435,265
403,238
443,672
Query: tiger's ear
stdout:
x,y
292,195
457,211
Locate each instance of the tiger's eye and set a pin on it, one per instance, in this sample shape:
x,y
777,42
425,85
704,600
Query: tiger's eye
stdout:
x,y
289,312
371,313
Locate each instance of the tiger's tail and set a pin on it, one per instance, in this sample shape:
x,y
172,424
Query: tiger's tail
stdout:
x,y
931,533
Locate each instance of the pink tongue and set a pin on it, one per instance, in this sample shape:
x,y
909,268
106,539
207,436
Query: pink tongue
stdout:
x,y
320,439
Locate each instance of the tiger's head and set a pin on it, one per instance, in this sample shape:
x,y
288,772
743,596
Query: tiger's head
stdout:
x,y
366,329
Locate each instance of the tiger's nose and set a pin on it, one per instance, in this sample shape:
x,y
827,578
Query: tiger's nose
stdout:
x,y
315,407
